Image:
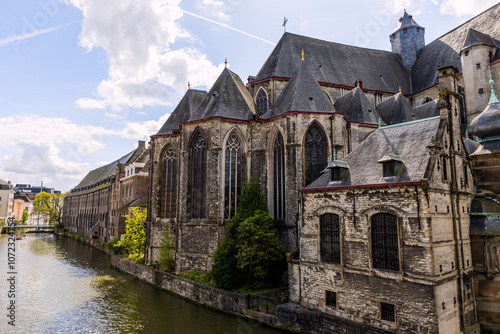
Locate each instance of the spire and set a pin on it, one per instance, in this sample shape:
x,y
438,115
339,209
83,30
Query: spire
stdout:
x,y
493,96
302,54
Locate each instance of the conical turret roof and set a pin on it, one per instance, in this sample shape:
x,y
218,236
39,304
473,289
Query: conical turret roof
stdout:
x,y
395,110
355,107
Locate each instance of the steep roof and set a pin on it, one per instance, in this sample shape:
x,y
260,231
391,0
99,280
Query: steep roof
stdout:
x,y
395,109
228,98
406,21
337,63
408,141
184,110
445,50
302,93
355,107
426,110
475,37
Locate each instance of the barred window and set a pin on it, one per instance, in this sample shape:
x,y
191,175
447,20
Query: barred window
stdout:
x,y
315,153
385,247
387,312
279,179
196,206
262,102
330,238
331,299
233,176
169,185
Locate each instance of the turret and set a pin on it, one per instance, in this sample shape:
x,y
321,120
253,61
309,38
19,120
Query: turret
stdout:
x,y
407,39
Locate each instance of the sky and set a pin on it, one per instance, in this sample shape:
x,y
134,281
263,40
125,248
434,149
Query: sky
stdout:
x,y
81,81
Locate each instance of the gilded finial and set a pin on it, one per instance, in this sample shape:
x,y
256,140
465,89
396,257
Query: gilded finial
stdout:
x,y
379,122
225,62
357,83
189,85
400,88
302,54
334,155
493,96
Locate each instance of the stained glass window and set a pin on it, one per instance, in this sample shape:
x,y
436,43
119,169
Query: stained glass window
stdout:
x,y
262,102
169,185
315,153
196,199
279,179
233,176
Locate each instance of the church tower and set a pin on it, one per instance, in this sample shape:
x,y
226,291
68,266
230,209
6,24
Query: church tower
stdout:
x,y
407,39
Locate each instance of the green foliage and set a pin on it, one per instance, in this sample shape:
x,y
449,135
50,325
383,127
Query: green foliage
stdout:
x,y
259,250
198,277
50,205
25,216
230,269
166,256
114,247
135,234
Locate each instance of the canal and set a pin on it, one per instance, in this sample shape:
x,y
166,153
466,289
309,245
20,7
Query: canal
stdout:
x,y
63,286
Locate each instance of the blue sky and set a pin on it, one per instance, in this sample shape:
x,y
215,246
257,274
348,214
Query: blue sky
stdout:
x,y
82,80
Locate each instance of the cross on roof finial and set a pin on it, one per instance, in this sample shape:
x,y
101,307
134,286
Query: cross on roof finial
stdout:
x,y
189,85
404,6
302,54
493,96
285,20
225,62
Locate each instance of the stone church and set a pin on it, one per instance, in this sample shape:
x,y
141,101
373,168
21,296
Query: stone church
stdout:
x,y
368,170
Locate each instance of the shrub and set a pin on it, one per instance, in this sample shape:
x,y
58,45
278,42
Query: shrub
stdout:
x,y
198,277
114,246
166,252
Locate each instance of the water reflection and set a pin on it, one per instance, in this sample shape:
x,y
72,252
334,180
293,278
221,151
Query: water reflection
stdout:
x,y
66,287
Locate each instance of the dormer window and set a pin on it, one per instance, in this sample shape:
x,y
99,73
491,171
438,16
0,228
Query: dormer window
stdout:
x,y
391,164
338,170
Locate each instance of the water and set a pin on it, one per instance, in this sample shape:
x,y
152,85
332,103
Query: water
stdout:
x,y
63,286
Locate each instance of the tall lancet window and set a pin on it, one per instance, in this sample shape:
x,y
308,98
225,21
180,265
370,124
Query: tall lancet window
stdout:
x,y
262,102
279,179
196,199
233,176
315,153
169,185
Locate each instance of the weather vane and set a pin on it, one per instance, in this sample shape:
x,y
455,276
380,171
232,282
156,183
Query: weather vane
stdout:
x,y
285,20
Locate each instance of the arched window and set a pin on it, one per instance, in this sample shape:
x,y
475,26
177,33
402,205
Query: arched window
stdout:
x,y
385,248
427,100
233,176
169,185
330,238
262,102
197,176
279,179
315,153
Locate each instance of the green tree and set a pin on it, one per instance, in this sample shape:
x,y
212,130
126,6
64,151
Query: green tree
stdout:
x,y
225,270
259,250
49,205
25,216
166,252
134,238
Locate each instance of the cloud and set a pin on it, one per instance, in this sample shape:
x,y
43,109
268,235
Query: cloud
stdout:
x,y
214,8
144,68
461,8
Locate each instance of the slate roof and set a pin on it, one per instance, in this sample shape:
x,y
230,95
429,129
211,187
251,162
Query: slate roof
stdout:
x,y
228,98
406,21
136,202
99,178
302,93
426,110
184,110
355,107
408,141
477,38
445,50
471,146
337,63
395,109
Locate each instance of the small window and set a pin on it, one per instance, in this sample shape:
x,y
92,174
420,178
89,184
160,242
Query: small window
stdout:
x,y
478,66
480,91
405,30
387,312
389,168
123,213
331,299
466,53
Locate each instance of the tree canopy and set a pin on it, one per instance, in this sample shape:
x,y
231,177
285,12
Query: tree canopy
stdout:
x,y
50,205
134,238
